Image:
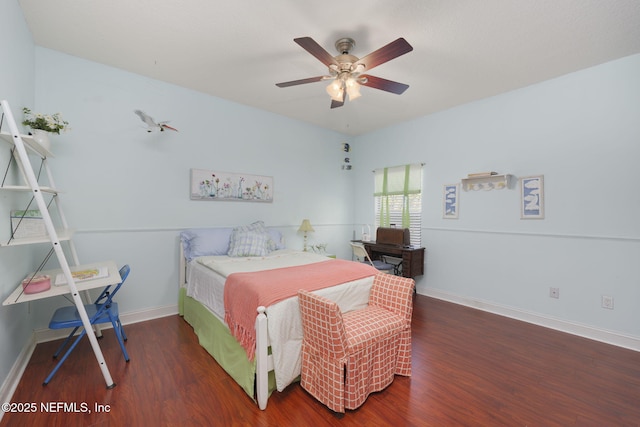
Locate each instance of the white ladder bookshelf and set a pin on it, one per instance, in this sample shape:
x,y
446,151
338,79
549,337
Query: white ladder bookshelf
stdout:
x,y
23,148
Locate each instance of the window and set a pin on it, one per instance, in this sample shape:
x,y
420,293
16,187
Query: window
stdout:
x,y
398,199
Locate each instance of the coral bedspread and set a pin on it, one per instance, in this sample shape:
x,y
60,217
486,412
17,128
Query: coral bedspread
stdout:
x,y
245,292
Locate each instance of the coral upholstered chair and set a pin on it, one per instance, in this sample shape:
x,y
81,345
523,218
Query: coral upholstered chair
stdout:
x,y
346,357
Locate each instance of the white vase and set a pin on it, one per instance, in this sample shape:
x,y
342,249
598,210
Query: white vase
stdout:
x,y
42,137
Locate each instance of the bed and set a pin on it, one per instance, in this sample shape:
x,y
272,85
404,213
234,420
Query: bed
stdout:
x,y
237,291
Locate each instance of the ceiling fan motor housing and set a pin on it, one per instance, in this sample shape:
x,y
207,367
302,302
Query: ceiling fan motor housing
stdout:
x,y
344,59
345,45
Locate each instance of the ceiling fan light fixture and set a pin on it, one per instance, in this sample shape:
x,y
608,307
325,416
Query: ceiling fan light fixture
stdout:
x,y
336,90
358,69
353,89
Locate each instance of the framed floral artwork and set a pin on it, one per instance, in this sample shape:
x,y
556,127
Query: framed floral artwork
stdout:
x,y
450,201
532,197
225,186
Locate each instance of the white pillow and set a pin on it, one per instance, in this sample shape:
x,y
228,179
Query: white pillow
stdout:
x,y
205,241
276,237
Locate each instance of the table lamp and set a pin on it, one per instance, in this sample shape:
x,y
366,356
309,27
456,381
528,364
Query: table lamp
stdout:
x,y
305,227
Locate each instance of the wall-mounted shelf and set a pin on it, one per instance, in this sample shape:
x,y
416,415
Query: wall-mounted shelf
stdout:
x,y
486,182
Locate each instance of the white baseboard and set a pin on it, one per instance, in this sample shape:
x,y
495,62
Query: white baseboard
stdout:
x,y
43,335
585,331
11,382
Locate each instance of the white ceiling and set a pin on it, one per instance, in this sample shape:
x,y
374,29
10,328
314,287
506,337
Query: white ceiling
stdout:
x,y
463,50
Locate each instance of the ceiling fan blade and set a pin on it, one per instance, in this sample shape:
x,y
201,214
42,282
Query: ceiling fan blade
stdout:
x,y
310,45
386,53
384,84
301,82
336,104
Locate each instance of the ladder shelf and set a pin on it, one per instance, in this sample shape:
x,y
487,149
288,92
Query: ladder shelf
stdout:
x,y
22,147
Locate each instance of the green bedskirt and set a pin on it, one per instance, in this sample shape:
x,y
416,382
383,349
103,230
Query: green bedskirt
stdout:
x,y
214,336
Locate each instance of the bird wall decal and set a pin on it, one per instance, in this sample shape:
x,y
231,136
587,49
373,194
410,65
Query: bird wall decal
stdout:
x,y
151,124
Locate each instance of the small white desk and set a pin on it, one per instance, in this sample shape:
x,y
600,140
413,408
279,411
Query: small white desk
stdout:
x,y
17,296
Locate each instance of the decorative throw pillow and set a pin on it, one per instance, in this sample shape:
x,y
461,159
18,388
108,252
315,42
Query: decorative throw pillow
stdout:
x,y
249,243
257,227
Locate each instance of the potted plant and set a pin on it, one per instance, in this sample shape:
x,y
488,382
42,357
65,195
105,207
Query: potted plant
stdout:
x,y
42,124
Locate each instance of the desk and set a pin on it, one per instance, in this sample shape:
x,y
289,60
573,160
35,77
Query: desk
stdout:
x,y
412,257
17,296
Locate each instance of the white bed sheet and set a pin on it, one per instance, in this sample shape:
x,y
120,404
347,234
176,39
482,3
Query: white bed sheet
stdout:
x,y
284,326
206,286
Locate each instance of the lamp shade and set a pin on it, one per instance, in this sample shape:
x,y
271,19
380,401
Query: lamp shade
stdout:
x,y
336,90
305,226
353,89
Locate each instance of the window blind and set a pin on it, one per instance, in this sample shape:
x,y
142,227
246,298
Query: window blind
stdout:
x,y
398,199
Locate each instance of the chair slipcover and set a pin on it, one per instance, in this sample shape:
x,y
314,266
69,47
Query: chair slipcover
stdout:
x,y
346,357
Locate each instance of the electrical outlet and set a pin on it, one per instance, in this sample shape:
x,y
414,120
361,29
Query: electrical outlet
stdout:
x,y
554,292
607,302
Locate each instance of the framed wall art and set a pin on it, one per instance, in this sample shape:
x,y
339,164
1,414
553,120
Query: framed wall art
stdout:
x,y
225,186
450,201
532,197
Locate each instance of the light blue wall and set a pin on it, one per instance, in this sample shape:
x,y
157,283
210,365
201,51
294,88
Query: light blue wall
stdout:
x,y
582,132
17,87
127,191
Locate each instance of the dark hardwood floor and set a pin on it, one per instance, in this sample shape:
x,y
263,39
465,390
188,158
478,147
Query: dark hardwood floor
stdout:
x,y
470,368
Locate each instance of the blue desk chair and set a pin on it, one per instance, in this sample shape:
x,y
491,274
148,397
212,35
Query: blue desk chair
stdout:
x,y
103,310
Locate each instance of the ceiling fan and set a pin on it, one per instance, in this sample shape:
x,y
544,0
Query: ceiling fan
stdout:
x,y
346,71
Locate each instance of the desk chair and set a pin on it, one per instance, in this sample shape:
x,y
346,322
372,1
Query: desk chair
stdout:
x,y
360,253
103,310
